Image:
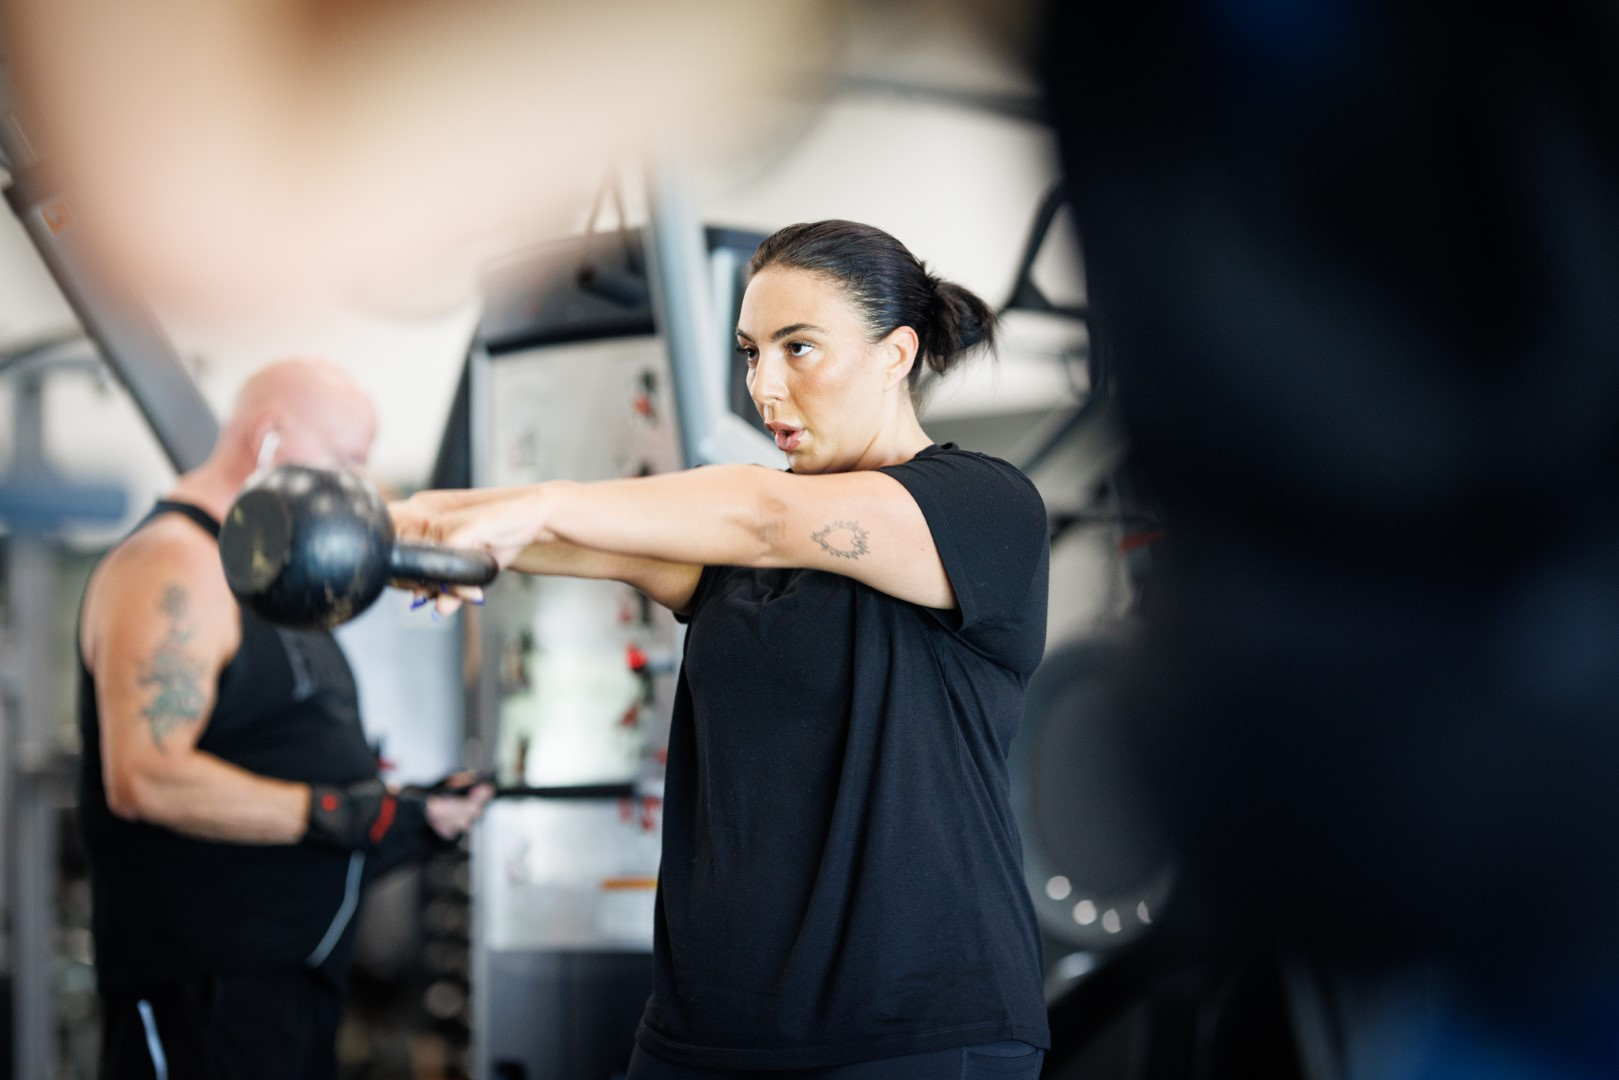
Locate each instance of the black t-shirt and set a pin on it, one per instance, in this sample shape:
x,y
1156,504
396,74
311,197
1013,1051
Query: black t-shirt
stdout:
x,y
168,907
841,875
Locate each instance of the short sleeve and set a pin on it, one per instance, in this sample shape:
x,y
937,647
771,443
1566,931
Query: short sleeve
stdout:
x,y
990,528
699,595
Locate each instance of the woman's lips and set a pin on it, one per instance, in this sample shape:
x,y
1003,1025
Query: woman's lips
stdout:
x,y
787,439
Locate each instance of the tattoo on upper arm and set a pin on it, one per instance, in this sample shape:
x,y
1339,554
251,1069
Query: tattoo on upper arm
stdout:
x,y
173,671
844,539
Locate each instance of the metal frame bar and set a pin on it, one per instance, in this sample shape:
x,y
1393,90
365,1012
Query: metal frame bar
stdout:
x,y
1026,295
480,720
113,314
30,809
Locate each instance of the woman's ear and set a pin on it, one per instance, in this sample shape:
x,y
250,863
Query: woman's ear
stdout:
x,y
899,356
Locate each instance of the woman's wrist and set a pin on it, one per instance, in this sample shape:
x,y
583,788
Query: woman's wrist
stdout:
x,y
537,509
529,514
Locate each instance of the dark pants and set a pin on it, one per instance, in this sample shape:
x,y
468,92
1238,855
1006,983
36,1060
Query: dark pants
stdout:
x,y
989,1061
239,1027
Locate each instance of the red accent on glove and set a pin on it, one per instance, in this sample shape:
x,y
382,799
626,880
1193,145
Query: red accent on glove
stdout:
x,y
385,818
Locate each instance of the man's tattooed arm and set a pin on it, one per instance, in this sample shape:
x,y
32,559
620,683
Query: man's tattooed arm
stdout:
x,y
843,539
175,673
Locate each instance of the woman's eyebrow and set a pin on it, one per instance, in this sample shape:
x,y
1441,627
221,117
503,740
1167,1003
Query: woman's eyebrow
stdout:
x,y
795,328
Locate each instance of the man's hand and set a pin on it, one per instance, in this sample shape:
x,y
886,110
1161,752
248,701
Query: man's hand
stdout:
x,y
450,816
365,813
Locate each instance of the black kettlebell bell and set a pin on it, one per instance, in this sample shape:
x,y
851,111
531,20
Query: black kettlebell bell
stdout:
x,y
311,548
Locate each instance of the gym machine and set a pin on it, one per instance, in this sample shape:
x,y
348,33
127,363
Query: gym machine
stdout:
x,y
599,356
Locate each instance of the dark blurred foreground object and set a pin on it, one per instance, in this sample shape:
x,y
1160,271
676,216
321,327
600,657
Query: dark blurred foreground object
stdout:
x,y
312,548
1359,264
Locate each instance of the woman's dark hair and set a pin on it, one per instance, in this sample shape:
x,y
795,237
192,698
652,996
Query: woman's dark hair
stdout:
x,y
890,286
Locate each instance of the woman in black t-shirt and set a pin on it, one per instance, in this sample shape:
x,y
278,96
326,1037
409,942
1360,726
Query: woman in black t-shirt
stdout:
x,y
841,889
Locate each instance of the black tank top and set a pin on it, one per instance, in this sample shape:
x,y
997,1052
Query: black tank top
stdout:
x,y
168,907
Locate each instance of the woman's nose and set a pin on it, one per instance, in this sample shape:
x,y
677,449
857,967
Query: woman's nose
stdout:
x,y
769,385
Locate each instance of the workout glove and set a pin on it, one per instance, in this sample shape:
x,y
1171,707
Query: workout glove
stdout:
x,y
363,814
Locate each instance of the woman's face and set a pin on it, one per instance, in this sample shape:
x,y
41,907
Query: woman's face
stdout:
x,y
823,390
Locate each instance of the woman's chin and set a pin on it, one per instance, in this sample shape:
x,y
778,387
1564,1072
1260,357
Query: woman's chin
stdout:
x,y
804,461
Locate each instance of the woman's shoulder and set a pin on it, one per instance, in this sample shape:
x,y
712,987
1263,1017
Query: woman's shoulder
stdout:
x,y
968,472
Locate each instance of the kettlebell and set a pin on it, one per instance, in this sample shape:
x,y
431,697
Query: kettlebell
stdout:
x,y
312,548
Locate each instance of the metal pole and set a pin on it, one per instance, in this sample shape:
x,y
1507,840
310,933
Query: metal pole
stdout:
x,y
482,720
31,759
7,807
678,270
130,340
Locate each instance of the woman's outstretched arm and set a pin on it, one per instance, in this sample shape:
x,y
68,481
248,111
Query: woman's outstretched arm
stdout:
x,y
864,525
667,583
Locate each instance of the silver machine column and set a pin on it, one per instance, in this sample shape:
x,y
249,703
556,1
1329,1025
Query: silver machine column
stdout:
x,y
34,504
694,296
33,787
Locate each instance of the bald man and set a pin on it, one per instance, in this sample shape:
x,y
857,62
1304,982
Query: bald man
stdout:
x,y
230,803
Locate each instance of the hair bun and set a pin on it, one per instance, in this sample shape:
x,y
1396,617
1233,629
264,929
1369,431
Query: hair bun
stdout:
x,y
958,322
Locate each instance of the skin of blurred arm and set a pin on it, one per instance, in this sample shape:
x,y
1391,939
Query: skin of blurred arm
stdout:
x,y
260,153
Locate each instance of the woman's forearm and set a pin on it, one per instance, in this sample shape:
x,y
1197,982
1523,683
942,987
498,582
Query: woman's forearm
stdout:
x,y
518,526
667,583
722,514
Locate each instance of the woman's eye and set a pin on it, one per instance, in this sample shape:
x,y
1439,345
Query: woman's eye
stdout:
x,y
748,353
798,348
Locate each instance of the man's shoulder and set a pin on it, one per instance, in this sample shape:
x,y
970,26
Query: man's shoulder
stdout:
x,y
167,564
167,547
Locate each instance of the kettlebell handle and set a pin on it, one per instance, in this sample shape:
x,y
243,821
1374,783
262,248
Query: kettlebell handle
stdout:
x,y
422,564
311,548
